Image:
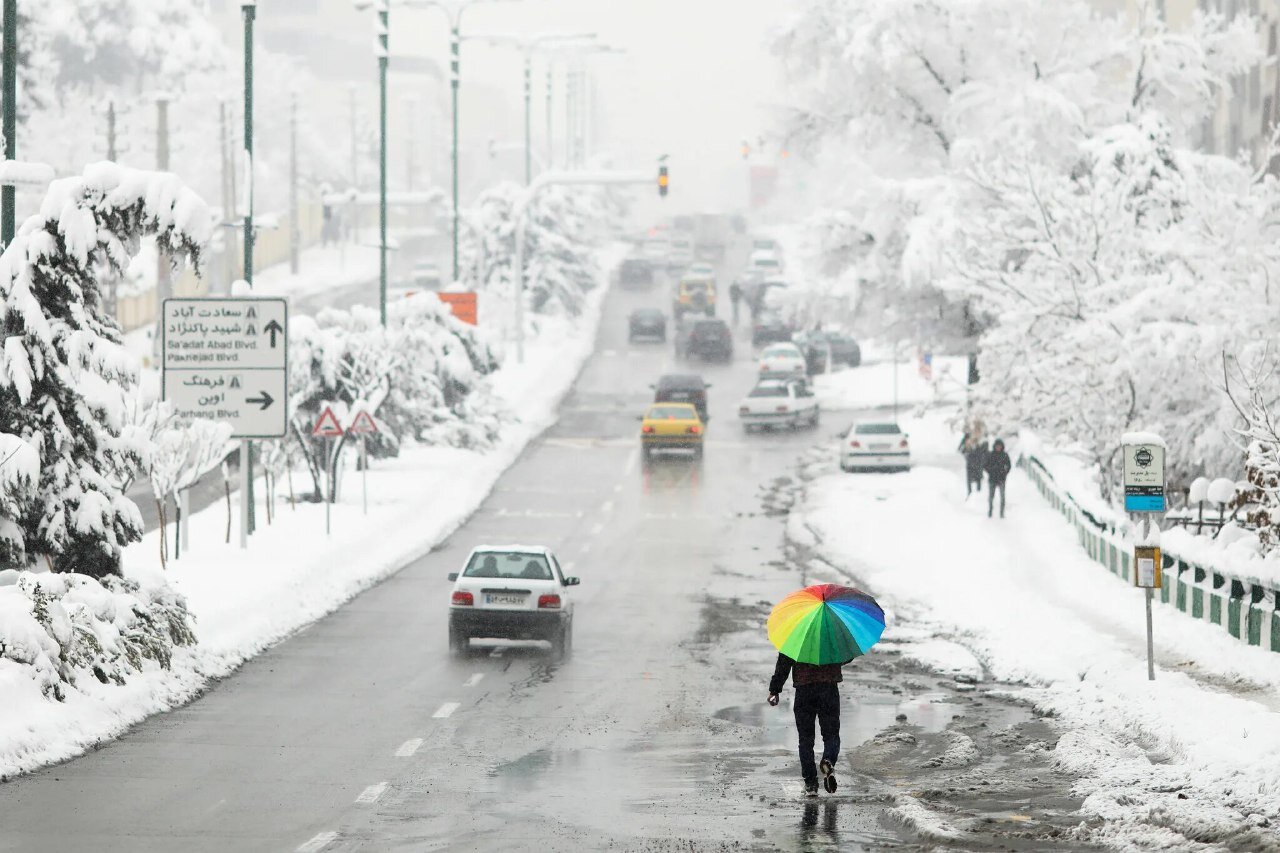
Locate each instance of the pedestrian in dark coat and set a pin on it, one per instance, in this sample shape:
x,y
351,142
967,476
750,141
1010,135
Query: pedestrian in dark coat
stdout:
x,y
817,698
735,296
998,467
975,460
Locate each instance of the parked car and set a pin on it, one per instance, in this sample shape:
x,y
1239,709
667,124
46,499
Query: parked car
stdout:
x,y
709,339
876,446
426,275
819,347
700,270
779,402
769,328
766,262
683,388
680,253
511,592
782,361
697,295
635,273
647,323
671,426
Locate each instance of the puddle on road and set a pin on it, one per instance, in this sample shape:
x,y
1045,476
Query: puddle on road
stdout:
x,y
861,718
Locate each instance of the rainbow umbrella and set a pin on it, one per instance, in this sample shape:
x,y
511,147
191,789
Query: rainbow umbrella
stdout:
x,y
825,623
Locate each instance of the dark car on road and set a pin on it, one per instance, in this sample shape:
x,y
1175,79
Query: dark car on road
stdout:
x,y
710,340
820,346
682,388
769,328
648,323
636,273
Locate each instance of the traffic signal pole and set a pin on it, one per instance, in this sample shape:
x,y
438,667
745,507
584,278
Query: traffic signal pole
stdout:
x,y
9,94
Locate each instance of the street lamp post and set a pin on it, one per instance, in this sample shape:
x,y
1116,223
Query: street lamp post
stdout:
x,y
382,29
249,8
9,93
575,52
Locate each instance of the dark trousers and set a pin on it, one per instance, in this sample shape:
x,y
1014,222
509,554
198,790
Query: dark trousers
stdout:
x,y
991,496
974,483
820,702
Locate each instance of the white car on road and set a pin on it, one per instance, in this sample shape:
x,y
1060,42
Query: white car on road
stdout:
x,y
779,402
512,592
782,360
876,446
764,263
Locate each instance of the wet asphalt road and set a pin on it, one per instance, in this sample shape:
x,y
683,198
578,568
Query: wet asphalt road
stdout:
x,y
362,733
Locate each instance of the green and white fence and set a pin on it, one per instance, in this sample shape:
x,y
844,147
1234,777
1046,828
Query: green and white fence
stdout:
x,y
1244,608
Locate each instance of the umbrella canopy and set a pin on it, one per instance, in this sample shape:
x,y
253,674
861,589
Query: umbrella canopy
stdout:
x,y
826,623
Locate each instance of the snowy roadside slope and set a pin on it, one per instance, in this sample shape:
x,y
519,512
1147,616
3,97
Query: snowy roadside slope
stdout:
x,y
1191,756
291,575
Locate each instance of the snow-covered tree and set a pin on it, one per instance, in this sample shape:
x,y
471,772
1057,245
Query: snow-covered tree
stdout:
x,y
63,371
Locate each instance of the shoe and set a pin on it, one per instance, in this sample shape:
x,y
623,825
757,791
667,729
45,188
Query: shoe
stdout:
x,y
828,776
811,787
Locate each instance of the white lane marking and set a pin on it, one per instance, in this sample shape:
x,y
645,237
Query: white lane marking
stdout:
x,y
474,680
446,710
496,653
597,528
607,506
371,793
408,748
319,842
632,458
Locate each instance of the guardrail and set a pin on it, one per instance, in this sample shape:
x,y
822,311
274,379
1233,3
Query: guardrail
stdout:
x,y
1243,607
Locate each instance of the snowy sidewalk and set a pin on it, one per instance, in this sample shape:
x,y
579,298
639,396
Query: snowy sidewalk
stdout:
x,y
1192,755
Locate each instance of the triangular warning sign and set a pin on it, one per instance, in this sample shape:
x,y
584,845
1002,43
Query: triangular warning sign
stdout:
x,y
327,425
251,313
364,423
235,381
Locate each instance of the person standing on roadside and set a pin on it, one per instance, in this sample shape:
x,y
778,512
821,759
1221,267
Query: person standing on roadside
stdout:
x,y
817,699
998,466
975,453
735,297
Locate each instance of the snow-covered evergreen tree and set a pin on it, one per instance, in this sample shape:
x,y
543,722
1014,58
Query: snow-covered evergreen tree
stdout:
x,y
63,370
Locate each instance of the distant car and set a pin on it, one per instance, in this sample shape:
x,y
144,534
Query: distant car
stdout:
x,y
671,426
779,402
769,328
511,592
764,244
683,388
817,352
635,273
764,262
821,346
876,446
680,253
646,323
426,275
782,361
701,270
694,295
709,339
656,250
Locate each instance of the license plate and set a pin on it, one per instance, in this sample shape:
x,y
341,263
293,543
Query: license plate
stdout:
x,y
879,447
499,598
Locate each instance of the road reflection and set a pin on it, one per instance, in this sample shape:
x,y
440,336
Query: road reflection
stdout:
x,y
810,831
671,473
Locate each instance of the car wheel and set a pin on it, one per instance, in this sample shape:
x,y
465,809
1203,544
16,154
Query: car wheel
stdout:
x,y
815,418
697,452
459,642
560,640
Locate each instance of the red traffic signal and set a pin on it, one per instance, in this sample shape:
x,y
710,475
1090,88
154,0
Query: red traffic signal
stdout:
x,y
663,181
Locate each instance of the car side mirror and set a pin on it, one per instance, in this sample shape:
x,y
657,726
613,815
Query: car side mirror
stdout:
x,y
652,387
708,385
571,581
453,576
639,417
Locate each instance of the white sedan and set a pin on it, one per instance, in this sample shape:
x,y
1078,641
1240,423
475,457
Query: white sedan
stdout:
x,y
782,360
779,402
511,592
876,446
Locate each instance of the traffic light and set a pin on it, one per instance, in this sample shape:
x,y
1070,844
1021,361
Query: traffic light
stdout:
x,y
663,181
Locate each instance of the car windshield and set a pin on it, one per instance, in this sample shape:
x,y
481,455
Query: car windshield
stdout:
x,y
768,391
512,565
766,262
781,351
670,413
877,429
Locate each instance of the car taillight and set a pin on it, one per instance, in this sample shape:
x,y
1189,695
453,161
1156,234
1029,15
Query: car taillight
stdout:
x,y
647,429
855,443
764,365
463,599
903,443
782,408
743,410
549,602
694,430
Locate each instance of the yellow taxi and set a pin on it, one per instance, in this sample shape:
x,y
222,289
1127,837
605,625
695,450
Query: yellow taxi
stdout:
x,y
695,294
671,426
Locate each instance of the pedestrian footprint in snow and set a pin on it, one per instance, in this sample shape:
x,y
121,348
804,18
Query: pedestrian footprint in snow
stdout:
x,y
998,466
974,448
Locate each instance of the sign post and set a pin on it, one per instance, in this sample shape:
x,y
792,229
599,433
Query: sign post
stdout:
x,y
363,425
327,427
1144,494
228,360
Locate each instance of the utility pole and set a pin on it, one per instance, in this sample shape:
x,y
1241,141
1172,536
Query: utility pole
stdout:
x,y
249,8
112,154
294,229
411,138
225,116
455,70
550,116
164,278
528,117
9,94
353,227
384,56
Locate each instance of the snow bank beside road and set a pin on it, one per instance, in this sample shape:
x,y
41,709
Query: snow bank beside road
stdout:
x,y
244,601
1185,754
871,385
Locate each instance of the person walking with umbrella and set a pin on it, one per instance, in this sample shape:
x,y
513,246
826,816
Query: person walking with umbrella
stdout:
x,y
998,467
817,630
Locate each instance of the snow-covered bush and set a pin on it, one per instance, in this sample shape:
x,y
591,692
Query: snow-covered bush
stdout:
x,y
68,626
565,225
64,374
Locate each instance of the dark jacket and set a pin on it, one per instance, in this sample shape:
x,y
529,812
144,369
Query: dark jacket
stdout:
x,y
975,458
803,673
997,464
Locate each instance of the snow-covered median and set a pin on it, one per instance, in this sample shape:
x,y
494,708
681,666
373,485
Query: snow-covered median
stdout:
x,y
1189,756
243,601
